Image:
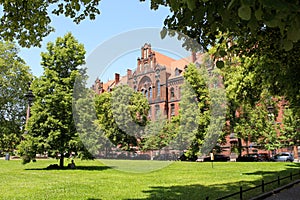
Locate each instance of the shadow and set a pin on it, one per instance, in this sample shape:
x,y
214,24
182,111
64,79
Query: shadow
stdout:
x,y
85,168
93,168
262,173
218,191
195,191
93,199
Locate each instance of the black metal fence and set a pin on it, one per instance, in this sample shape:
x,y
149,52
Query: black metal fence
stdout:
x,y
262,186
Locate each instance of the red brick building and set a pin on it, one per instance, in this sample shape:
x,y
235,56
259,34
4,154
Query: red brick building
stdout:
x,y
157,76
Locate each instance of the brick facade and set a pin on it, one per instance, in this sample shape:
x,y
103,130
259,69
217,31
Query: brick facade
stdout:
x,y
158,77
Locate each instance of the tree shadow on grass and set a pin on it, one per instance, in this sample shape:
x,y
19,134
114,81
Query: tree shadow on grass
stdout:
x,y
191,192
85,168
198,191
93,199
292,167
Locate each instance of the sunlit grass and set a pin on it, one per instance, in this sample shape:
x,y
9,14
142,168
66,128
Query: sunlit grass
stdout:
x,y
94,180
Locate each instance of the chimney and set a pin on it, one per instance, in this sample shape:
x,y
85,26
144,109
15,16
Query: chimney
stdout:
x,y
194,57
117,78
129,73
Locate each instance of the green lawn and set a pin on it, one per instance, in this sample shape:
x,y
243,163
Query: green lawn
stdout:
x,y
94,180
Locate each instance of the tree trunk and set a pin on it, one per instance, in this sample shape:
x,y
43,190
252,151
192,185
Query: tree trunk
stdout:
x,y
240,146
61,160
247,147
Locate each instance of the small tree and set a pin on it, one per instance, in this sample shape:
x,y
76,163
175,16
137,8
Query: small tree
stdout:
x,y
290,131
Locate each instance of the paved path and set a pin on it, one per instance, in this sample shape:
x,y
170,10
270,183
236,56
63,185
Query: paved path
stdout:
x,y
292,193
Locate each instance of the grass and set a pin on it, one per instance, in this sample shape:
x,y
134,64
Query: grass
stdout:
x,y
93,180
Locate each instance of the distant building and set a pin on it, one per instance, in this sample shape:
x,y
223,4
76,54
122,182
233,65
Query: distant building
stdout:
x,y
158,77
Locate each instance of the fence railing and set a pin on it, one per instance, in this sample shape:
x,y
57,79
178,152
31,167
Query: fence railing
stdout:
x,y
262,186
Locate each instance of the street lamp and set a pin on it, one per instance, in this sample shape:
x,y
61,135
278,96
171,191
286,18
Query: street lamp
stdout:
x,y
30,97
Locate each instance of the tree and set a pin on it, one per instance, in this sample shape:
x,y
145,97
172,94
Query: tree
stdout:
x,y
249,99
189,137
85,119
51,127
122,115
159,133
28,22
268,32
203,20
200,123
290,130
14,78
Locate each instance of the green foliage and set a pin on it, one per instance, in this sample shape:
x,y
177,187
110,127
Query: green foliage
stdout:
x,y
264,34
122,115
28,22
160,133
202,20
202,109
85,119
51,127
190,134
249,92
14,78
290,131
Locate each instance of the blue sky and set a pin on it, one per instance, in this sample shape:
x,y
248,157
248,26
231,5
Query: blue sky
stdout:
x,y
117,16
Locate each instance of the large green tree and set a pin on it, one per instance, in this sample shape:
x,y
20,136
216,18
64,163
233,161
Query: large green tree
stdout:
x,y
204,19
51,127
201,112
28,21
248,99
268,32
14,78
122,115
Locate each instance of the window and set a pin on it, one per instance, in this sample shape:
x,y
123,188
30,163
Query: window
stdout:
x,y
146,93
145,53
150,112
172,93
176,72
172,109
157,110
150,92
158,88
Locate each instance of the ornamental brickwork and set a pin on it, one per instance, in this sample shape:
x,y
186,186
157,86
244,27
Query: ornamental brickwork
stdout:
x,y
158,77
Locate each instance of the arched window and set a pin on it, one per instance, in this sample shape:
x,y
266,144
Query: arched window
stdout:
x,y
157,88
146,93
150,92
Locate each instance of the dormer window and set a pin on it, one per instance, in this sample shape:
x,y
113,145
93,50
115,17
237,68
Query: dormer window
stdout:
x,y
177,72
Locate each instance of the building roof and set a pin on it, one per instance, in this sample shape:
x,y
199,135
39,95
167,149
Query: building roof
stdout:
x,y
163,59
109,84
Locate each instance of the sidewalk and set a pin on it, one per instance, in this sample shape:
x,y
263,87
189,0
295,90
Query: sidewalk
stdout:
x,y
287,192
